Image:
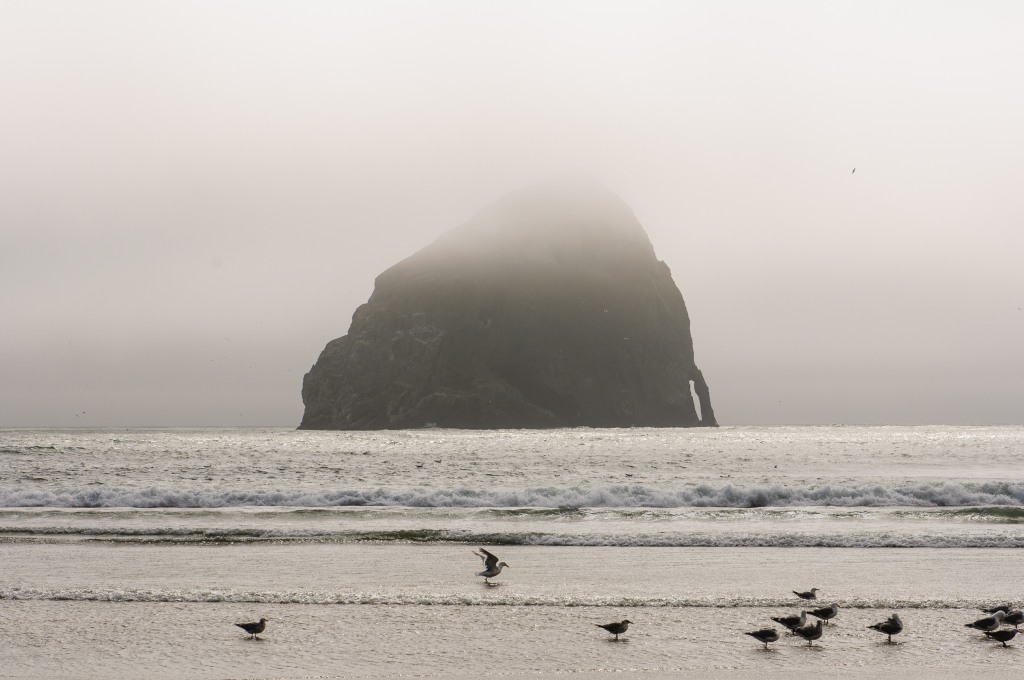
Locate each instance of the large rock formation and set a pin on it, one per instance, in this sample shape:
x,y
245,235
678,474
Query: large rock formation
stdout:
x,y
547,309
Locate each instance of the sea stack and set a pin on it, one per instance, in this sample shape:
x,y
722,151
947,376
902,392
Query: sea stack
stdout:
x,y
547,309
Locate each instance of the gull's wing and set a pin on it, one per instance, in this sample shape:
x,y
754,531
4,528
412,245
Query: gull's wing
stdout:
x,y
490,560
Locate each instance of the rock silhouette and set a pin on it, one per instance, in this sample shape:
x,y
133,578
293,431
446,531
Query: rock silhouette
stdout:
x,y
547,309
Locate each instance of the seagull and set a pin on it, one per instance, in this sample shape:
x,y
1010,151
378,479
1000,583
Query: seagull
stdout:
x,y
492,567
810,632
854,170
890,627
1014,618
825,613
791,622
987,624
253,628
615,629
811,594
1003,635
1005,608
765,635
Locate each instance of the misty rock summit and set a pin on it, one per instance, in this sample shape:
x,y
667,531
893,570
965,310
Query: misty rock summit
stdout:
x,y
547,309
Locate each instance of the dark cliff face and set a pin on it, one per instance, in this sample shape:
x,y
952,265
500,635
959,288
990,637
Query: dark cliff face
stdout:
x,y
548,309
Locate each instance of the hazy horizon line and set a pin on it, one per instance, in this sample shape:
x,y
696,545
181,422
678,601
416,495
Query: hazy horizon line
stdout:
x,y
508,429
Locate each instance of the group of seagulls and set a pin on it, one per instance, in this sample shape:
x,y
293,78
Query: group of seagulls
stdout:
x,y
797,623
995,626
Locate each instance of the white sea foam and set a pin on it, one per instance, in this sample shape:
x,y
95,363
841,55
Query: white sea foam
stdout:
x,y
910,538
489,598
921,494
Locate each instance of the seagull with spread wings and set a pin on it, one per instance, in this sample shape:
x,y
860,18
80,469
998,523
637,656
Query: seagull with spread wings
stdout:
x,y
492,567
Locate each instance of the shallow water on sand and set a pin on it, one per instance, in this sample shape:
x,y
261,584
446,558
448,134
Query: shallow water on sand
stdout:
x,y
168,640
444,575
96,611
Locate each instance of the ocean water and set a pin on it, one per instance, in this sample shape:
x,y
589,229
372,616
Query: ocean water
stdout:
x,y
131,553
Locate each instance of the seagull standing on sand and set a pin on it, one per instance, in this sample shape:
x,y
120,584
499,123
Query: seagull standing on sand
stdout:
x,y
987,624
791,622
253,628
1014,618
810,632
811,594
615,629
1003,635
1001,608
825,613
492,567
890,626
765,635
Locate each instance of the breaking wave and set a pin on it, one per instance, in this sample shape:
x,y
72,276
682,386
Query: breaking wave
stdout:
x,y
942,494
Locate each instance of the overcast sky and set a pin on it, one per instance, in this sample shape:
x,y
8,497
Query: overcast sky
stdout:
x,y
195,196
